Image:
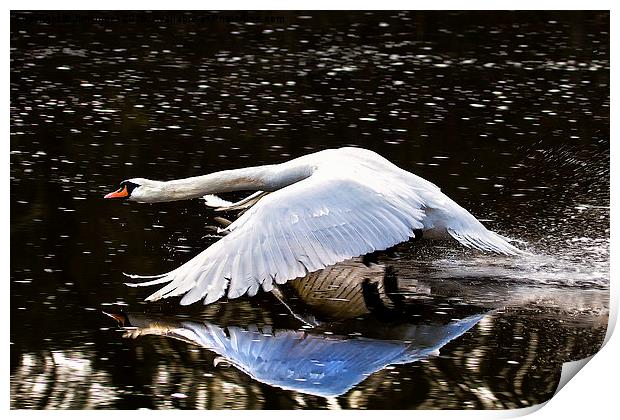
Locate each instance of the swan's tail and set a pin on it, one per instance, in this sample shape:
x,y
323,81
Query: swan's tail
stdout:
x,y
465,228
485,240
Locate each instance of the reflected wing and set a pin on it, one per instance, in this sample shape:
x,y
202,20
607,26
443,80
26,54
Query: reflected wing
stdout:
x,y
301,228
303,361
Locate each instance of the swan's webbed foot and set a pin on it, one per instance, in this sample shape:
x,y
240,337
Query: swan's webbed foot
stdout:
x,y
390,285
373,301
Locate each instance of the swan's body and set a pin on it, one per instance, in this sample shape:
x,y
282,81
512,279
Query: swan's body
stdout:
x,y
309,213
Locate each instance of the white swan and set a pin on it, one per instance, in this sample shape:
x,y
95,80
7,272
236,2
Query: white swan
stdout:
x,y
307,214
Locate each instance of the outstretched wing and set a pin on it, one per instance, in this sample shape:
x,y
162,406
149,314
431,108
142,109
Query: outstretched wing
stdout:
x,y
301,228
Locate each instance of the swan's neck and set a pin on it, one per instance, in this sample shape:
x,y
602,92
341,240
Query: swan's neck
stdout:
x,y
258,178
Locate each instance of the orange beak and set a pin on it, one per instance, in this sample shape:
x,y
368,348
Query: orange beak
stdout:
x,y
118,194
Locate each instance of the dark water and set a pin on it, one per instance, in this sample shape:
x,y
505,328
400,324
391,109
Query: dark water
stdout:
x,y
507,112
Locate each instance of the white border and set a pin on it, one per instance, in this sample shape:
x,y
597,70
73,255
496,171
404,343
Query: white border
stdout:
x,y
312,5
593,394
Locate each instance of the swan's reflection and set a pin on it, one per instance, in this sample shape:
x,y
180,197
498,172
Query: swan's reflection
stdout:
x,y
330,358
304,361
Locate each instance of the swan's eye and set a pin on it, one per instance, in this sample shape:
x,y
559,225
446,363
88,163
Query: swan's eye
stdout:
x,y
130,186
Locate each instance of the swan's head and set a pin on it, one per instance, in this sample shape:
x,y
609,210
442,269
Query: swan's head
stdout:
x,y
137,189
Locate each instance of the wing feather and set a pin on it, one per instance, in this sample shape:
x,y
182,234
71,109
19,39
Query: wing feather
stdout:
x,y
331,216
309,258
301,228
321,259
